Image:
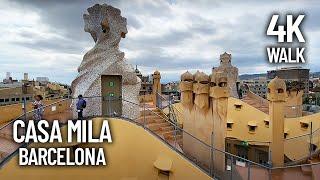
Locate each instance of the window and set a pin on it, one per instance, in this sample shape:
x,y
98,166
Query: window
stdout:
x,y
266,123
13,99
6,100
17,99
27,98
237,106
252,128
313,147
1,100
285,135
252,125
304,125
229,125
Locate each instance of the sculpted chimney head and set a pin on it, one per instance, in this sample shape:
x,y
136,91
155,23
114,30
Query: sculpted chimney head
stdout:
x,y
219,85
212,81
201,90
187,76
195,76
225,59
156,75
201,77
276,90
105,23
156,72
222,79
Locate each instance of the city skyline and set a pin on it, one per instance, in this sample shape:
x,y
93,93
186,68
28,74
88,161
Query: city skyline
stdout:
x,y
165,35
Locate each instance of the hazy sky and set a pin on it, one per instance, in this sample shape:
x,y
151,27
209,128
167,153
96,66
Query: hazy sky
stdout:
x,y
46,38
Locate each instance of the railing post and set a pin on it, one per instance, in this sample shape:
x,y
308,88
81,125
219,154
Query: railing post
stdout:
x,y
158,101
211,156
175,136
169,106
310,144
269,156
108,104
144,114
175,124
270,173
249,166
25,112
231,168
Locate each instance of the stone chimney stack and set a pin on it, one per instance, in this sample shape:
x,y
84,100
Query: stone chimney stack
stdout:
x,y
277,97
186,88
219,93
201,91
156,87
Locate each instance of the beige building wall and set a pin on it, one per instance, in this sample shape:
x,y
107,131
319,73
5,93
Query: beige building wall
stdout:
x,y
146,98
240,117
293,105
13,111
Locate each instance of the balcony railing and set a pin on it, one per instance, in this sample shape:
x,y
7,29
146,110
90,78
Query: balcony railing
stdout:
x,y
236,167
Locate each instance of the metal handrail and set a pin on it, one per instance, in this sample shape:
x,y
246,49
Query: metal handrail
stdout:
x,y
6,158
170,105
224,152
294,166
246,160
48,105
302,135
295,137
178,128
203,143
28,112
177,110
252,141
162,99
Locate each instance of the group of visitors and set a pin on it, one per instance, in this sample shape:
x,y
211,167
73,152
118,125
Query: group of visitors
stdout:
x,y
38,107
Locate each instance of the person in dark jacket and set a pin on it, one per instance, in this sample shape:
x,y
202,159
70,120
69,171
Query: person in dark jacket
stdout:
x,y
81,105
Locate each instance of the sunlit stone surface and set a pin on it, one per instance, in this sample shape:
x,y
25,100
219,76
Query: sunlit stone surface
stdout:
x,y
107,27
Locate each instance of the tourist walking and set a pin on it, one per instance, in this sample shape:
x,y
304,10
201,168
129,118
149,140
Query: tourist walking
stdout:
x,y
38,108
81,105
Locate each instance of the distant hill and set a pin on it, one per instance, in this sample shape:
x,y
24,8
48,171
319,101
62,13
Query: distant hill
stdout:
x,y
315,74
251,76
248,76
